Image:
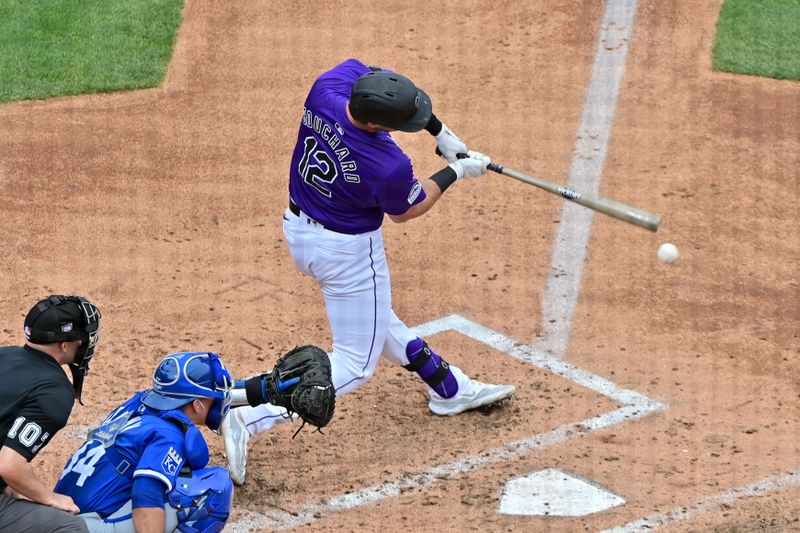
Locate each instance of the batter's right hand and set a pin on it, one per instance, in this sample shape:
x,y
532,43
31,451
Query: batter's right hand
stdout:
x,y
472,166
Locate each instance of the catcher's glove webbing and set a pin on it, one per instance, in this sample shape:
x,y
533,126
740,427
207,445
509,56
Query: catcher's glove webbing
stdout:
x,y
301,383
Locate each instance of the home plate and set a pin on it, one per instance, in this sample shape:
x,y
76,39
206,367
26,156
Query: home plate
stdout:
x,y
551,492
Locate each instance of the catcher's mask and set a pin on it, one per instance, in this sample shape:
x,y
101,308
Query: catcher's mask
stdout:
x,y
390,100
184,376
60,318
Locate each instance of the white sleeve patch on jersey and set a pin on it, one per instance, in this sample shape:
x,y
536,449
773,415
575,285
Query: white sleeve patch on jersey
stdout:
x,y
415,190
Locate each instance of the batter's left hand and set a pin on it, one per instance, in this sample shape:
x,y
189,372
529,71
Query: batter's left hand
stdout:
x,y
472,166
449,144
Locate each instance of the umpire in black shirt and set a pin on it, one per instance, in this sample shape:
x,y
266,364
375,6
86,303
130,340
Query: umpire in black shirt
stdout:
x,y
35,402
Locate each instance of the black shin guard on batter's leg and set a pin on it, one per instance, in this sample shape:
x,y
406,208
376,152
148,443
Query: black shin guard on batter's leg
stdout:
x,y
431,368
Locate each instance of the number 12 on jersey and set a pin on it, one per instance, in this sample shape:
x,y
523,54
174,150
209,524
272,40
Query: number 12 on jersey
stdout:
x,y
317,167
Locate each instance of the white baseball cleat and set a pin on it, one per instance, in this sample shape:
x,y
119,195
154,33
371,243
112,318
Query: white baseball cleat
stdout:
x,y
236,438
477,394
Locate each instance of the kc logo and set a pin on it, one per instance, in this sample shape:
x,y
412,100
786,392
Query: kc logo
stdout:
x,y
171,462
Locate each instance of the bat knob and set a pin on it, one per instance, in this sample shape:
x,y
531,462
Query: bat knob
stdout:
x,y
459,156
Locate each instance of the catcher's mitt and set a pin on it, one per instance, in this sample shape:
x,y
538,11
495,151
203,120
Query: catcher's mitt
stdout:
x,y
301,382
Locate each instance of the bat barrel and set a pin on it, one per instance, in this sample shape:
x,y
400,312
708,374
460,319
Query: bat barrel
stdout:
x,y
626,213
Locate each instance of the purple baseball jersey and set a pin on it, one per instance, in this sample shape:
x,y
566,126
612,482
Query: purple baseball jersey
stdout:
x,y
344,177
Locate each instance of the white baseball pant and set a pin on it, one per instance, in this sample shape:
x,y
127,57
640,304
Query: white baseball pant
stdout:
x,y
354,276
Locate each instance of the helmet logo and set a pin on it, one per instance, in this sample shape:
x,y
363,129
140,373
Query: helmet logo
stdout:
x,y
66,328
166,374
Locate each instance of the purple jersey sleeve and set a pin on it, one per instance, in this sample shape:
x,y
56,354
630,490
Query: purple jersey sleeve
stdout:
x,y
399,191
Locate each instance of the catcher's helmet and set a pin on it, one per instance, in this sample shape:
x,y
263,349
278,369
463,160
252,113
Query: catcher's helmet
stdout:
x,y
60,318
184,376
390,100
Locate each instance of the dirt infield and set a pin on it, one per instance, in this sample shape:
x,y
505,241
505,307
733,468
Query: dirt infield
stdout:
x,y
164,207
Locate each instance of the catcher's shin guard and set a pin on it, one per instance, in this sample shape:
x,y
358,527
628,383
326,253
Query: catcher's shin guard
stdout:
x,y
431,368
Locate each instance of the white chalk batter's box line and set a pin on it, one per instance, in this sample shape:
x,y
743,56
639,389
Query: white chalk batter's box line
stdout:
x,y
634,406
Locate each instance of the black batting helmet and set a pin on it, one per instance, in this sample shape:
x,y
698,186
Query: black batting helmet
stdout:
x,y
389,100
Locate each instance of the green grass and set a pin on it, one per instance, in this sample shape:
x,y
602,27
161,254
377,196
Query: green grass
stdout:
x,y
759,37
61,47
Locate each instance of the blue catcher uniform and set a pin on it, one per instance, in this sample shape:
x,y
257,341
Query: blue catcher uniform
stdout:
x,y
148,453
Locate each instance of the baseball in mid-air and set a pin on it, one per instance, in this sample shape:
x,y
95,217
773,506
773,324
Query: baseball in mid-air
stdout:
x,y
667,253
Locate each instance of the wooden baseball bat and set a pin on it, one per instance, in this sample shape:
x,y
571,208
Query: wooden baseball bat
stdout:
x,y
626,213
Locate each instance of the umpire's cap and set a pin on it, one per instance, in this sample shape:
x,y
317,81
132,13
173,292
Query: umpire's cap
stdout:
x,y
390,100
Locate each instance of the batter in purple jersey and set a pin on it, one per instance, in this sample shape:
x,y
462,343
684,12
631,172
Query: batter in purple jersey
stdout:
x,y
346,173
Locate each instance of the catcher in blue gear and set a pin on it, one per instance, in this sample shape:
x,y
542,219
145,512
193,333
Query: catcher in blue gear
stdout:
x,y
145,467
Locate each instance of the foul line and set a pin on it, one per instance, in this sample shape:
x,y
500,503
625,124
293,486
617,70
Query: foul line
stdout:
x,y
634,406
765,486
594,132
